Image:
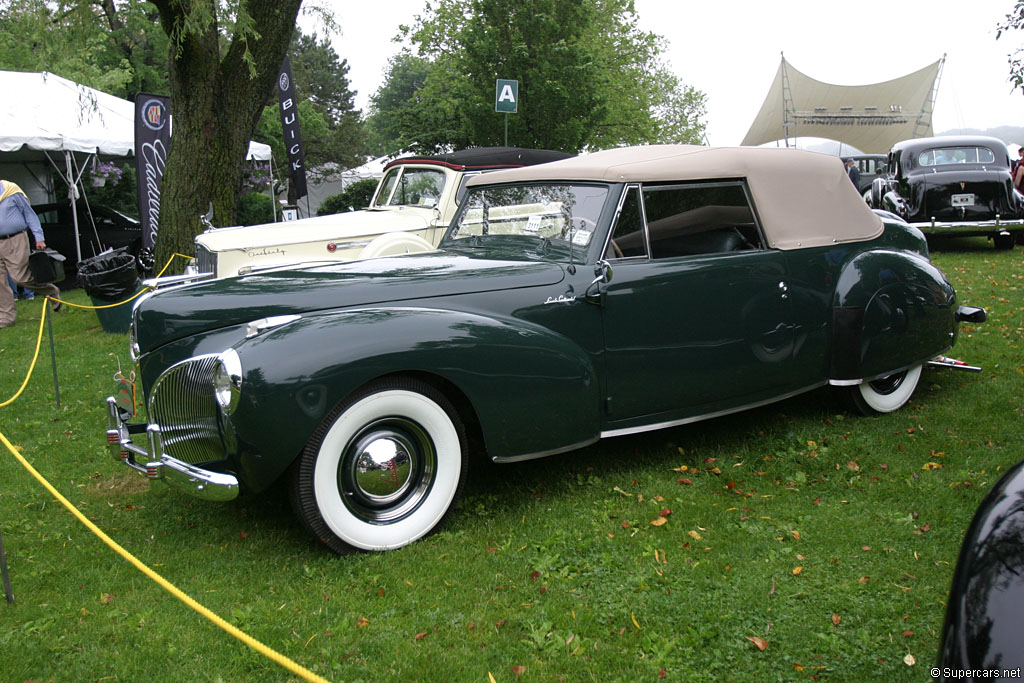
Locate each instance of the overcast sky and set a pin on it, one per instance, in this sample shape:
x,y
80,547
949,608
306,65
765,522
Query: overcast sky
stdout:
x,y
731,49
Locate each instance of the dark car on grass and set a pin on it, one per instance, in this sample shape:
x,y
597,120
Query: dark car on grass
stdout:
x,y
99,228
614,293
952,186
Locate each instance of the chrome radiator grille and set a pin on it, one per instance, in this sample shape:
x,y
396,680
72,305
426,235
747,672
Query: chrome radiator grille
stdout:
x,y
183,405
206,261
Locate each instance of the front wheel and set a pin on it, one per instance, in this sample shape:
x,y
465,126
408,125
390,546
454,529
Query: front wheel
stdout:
x,y
886,394
383,470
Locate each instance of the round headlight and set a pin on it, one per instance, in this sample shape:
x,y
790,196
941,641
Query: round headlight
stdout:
x,y
227,381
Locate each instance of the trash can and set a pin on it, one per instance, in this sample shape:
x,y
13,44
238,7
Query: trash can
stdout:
x,y
111,278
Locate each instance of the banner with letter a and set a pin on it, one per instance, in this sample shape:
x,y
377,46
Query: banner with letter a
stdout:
x,y
290,126
152,141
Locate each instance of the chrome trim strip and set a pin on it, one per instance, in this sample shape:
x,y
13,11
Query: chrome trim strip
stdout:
x,y
845,382
174,280
707,416
544,454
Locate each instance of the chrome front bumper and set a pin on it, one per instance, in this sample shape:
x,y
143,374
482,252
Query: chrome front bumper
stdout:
x,y
193,480
970,227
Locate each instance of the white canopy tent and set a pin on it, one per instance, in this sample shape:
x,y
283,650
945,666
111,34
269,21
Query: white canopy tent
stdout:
x,y
871,118
49,120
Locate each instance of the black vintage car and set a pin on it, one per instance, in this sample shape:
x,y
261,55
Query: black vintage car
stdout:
x,y
99,228
952,186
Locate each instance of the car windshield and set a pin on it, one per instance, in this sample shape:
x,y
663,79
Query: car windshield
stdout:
x,y
955,155
548,214
406,186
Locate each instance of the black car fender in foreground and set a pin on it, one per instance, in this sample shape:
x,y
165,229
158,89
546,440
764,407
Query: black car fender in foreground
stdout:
x,y
981,636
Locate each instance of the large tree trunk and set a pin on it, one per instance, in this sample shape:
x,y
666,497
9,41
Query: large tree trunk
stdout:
x,y
216,100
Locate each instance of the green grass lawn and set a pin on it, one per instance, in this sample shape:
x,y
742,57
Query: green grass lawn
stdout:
x,y
826,538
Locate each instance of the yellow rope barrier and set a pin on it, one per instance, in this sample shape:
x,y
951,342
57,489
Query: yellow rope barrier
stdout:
x,y
285,662
35,356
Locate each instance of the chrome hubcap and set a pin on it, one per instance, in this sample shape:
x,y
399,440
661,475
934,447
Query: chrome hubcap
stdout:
x,y
887,385
387,470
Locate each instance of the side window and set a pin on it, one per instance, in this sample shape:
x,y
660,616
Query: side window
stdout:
x,y
628,236
686,220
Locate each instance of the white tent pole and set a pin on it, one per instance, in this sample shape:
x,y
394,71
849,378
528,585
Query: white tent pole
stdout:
x,y
72,182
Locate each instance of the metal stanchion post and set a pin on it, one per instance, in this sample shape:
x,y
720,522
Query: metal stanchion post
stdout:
x,y
53,357
3,572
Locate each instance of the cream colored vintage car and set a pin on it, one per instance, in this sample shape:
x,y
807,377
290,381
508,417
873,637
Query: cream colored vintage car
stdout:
x,y
410,210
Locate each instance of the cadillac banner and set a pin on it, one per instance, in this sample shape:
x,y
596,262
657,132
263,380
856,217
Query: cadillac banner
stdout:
x,y
152,140
290,126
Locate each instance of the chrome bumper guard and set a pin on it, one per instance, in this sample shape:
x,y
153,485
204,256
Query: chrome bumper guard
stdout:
x,y
952,364
193,480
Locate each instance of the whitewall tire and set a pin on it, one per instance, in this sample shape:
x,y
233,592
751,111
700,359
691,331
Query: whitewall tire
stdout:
x,y
886,394
384,469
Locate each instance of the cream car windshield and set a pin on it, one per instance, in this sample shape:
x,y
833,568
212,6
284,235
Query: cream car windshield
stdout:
x,y
551,214
405,186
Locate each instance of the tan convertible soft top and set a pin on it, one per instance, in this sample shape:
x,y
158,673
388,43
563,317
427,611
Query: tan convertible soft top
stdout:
x,y
804,199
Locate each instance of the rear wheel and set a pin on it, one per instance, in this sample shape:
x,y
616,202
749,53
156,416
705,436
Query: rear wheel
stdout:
x,y
885,394
1003,241
384,469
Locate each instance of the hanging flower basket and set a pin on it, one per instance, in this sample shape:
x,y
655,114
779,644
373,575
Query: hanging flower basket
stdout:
x,y
104,171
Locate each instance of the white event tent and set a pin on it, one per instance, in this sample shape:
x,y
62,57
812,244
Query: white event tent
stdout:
x,y
46,120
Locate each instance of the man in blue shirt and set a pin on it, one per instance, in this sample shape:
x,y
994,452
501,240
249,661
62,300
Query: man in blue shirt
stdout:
x,y
17,220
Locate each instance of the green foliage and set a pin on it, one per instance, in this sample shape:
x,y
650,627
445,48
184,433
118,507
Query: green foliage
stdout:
x,y
548,569
394,104
1014,21
356,196
119,50
588,78
254,208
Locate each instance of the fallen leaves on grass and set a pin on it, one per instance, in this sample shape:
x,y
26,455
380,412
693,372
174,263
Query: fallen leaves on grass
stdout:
x,y
759,643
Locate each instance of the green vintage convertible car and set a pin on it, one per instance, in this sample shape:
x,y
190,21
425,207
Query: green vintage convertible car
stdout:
x,y
609,294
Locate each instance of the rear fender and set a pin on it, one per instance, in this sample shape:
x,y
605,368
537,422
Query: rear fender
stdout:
x,y
533,392
891,310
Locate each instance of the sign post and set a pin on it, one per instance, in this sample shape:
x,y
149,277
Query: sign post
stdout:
x,y
506,99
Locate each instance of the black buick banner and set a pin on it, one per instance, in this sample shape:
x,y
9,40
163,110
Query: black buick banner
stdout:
x,y
290,126
152,140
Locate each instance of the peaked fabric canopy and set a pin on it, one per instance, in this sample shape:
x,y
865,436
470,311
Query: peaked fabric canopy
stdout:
x,y
871,118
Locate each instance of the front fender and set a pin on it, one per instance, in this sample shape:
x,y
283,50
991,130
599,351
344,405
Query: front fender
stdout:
x,y
533,391
891,310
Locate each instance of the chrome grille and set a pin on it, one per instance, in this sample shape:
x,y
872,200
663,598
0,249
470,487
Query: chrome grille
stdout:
x,y
206,260
183,405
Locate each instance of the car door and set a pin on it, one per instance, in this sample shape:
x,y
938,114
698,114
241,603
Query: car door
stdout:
x,y
697,317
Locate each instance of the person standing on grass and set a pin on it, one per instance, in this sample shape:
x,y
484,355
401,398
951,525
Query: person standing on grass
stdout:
x,y
17,220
